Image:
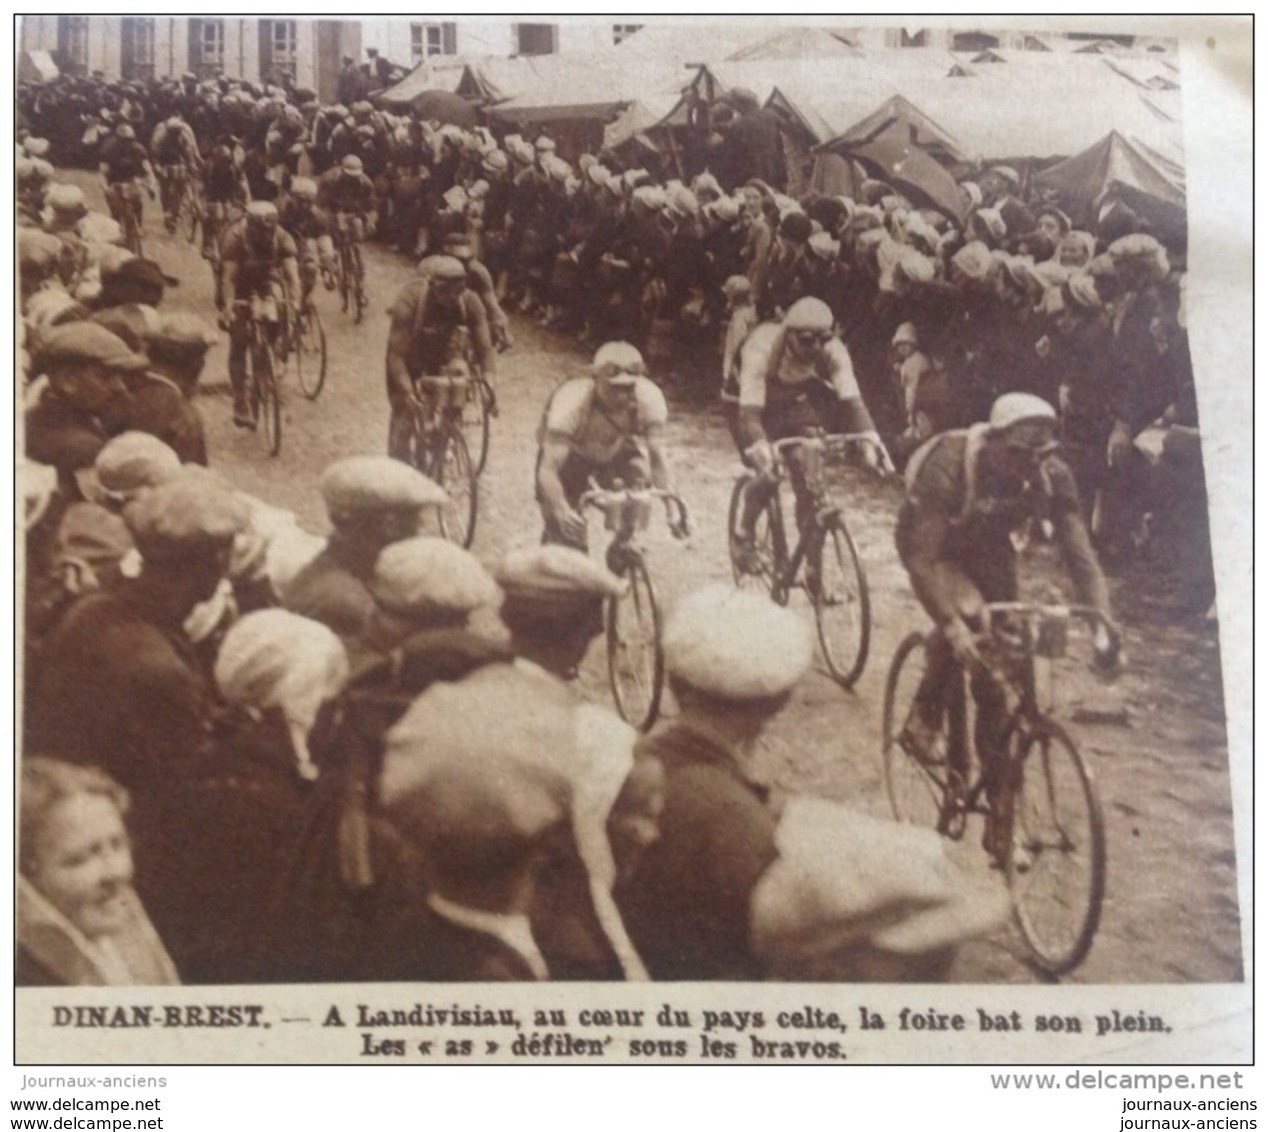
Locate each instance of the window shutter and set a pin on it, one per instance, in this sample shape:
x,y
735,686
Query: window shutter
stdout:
x,y
449,38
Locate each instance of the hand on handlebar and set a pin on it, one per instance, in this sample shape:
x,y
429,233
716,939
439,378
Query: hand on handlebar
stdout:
x,y
571,525
963,645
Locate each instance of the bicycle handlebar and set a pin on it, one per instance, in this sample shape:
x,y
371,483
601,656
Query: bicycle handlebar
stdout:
x,y
834,443
996,611
613,500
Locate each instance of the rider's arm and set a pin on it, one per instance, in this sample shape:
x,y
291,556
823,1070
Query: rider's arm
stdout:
x,y
852,414
550,487
757,356
923,530
481,340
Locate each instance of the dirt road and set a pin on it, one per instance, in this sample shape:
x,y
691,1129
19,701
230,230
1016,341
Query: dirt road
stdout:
x,y
1161,764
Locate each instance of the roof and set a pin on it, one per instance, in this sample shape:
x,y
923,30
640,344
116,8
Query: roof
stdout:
x,y
1116,161
441,72
704,41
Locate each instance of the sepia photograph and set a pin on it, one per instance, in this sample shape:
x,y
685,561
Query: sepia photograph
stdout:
x,y
714,503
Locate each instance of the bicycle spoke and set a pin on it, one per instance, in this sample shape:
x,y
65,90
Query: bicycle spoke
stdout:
x,y
842,608
635,662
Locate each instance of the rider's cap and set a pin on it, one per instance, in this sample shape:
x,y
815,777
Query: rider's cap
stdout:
x,y
305,188
262,210
619,362
185,517
447,269
1014,414
359,485
809,314
734,645
352,164
420,577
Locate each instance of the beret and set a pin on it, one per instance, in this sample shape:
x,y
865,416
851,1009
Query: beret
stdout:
x,y
364,484
418,576
734,645
185,517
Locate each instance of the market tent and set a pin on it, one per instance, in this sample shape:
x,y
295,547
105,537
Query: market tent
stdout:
x,y
37,67
1117,166
595,86
919,129
706,42
442,72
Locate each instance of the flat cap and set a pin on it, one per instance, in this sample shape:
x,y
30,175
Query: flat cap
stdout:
x,y
88,342
262,210
737,285
556,569
134,270
363,484
418,577
495,161
134,460
185,517
183,329
734,645
66,199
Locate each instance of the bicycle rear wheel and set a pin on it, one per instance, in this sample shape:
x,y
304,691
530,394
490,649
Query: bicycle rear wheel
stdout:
x,y
1056,870
310,353
636,662
843,611
754,566
917,787
475,423
451,467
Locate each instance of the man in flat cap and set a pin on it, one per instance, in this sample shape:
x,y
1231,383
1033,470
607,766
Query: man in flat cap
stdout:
x,y
741,885
119,687
86,367
436,320
372,502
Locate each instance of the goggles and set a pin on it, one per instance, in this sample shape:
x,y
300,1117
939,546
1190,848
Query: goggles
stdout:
x,y
813,337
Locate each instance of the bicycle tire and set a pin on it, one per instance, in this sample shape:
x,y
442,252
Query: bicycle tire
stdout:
x,y
765,544
451,467
344,283
358,285
475,424
636,660
267,406
1058,834
310,353
917,789
843,611
191,213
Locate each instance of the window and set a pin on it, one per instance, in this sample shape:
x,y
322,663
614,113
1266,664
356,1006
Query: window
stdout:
x,y
426,40
72,44
623,31
973,41
915,38
137,55
206,47
278,55
536,39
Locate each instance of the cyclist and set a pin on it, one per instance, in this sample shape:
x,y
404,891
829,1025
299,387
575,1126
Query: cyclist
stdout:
x,y
346,195
435,321
256,256
224,187
124,161
796,377
610,425
309,226
176,156
969,493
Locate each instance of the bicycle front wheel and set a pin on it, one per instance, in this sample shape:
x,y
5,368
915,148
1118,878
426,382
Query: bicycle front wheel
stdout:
x,y
1056,867
917,786
755,562
636,662
843,611
451,467
310,353
475,423
267,401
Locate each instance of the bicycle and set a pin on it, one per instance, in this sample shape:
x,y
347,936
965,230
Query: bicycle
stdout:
x,y
481,405
190,211
631,621
835,581
267,344
351,271
309,347
439,450
1049,832
127,207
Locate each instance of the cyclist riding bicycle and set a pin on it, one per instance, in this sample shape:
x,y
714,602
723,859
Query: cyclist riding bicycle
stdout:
x,y
256,257
347,196
124,161
224,188
970,492
435,320
175,153
309,226
796,377
610,425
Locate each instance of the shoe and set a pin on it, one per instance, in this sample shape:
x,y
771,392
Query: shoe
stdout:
x,y
242,414
328,281
747,558
919,739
